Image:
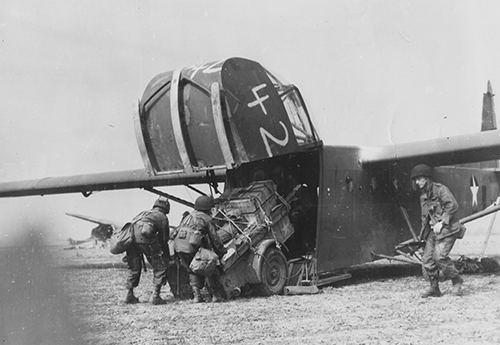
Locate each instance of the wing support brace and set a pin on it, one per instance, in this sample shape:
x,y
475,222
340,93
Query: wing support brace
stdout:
x,y
169,196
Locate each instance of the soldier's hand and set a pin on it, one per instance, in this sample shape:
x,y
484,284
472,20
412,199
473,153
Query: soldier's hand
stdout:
x,y
437,228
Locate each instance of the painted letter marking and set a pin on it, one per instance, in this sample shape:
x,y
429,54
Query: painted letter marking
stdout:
x,y
259,100
265,135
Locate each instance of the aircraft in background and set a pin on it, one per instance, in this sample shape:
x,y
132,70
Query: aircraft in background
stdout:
x,y
99,236
232,121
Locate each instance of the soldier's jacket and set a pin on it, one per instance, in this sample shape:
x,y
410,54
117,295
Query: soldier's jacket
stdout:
x,y
198,223
438,204
158,221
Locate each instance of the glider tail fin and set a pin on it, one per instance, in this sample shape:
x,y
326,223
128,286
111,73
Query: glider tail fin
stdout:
x,y
489,120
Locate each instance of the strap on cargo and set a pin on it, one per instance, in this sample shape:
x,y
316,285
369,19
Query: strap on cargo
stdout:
x,y
143,263
269,226
236,226
283,201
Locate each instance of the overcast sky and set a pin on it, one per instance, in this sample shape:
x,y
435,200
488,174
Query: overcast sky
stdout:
x,y
371,72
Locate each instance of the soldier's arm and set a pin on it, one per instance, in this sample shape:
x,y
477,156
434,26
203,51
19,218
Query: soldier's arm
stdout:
x,y
166,230
173,232
448,204
216,241
424,213
160,226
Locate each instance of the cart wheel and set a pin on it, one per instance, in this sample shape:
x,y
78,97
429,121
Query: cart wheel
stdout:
x,y
273,273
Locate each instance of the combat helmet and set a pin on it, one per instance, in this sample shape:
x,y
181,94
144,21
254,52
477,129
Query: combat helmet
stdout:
x,y
204,203
162,203
421,170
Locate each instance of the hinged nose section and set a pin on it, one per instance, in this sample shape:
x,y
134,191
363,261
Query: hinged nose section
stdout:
x,y
218,116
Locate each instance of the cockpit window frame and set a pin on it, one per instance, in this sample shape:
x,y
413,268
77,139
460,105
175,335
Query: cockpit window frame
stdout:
x,y
283,90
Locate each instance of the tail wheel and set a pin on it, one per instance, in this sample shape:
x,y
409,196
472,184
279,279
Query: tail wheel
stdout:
x,y
273,272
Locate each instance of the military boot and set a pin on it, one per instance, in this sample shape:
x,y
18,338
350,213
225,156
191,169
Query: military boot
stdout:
x,y
457,285
197,295
131,299
433,290
156,299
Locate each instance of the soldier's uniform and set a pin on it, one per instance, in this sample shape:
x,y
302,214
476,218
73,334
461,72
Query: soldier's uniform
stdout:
x,y
198,223
151,233
438,204
438,210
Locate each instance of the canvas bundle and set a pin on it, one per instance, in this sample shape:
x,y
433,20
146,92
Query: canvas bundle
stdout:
x,y
122,239
204,262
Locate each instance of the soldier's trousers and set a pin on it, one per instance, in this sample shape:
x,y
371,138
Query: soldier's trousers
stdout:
x,y
155,256
198,280
435,258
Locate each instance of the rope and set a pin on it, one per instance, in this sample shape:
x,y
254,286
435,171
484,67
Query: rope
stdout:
x,y
283,201
237,227
269,224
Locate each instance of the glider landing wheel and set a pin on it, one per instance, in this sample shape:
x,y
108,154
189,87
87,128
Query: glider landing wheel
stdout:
x,y
273,273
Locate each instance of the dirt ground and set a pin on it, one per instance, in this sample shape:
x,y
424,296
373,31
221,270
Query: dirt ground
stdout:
x,y
381,311
53,296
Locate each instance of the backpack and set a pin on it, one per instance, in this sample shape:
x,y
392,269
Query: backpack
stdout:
x,y
122,239
189,237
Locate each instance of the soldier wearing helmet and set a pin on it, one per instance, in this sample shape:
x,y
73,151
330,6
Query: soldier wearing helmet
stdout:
x,y
151,232
440,230
196,230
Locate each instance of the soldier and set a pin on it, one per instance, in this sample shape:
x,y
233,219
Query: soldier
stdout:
x,y
151,232
438,210
196,230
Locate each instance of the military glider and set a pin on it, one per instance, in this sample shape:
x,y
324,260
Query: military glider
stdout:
x,y
233,121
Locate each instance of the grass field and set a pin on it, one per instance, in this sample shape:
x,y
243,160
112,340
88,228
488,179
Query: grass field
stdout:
x,y
55,296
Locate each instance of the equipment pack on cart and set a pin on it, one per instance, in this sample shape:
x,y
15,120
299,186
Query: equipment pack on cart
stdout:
x,y
253,223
